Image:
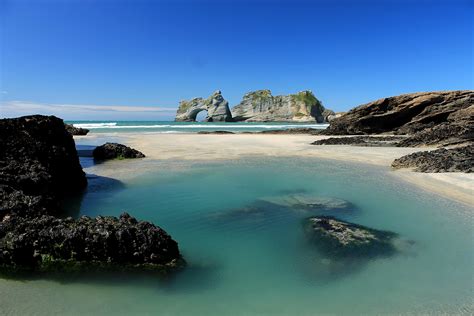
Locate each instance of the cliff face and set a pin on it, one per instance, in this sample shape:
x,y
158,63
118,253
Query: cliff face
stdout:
x,y
216,106
404,114
261,106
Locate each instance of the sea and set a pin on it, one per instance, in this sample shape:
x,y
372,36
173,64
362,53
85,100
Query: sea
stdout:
x,y
168,127
240,263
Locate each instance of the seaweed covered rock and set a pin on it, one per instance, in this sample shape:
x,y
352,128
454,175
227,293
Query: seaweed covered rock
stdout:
x,y
115,151
459,159
38,165
76,131
338,239
51,244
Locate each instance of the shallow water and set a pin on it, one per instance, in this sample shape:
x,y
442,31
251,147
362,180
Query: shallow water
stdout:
x,y
264,265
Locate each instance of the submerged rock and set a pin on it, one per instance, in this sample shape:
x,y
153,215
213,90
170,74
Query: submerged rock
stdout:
x,y
76,131
459,159
216,106
303,202
338,239
115,151
50,244
261,106
275,208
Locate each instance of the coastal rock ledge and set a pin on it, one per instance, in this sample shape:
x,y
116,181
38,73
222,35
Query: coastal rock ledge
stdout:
x,y
39,168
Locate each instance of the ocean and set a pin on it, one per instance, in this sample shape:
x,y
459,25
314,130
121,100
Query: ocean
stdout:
x,y
186,127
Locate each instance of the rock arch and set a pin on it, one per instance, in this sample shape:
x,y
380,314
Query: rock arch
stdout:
x,y
216,106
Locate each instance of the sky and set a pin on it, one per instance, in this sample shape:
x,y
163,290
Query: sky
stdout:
x,y
106,59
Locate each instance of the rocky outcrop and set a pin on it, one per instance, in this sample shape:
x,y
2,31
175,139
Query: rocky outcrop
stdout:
x,y
261,106
338,239
115,151
459,159
39,166
216,106
404,114
457,129
51,244
76,131
367,141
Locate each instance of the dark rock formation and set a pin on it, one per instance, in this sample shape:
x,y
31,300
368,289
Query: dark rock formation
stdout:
x,y
216,106
459,159
375,141
76,131
38,165
458,129
115,151
338,239
261,106
215,132
291,131
404,114
51,244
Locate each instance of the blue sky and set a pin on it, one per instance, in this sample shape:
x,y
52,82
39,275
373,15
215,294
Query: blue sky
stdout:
x,y
137,59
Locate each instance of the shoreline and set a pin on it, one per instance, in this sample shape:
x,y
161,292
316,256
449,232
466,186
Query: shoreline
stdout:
x,y
211,147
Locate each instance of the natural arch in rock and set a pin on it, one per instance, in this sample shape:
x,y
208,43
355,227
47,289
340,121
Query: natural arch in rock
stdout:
x,y
216,106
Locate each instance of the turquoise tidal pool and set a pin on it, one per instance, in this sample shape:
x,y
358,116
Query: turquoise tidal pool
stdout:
x,y
247,262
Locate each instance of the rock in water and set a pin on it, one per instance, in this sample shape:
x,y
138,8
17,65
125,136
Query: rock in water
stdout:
x,y
338,239
459,159
216,106
76,131
404,114
38,165
309,202
51,244
115,151
261,106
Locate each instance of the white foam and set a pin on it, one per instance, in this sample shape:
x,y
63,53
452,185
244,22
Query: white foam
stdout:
x,y
198,126
95,125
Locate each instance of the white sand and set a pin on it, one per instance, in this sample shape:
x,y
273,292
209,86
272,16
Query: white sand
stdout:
x,y
457,186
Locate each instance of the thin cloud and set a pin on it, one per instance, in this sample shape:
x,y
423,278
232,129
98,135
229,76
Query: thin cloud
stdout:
x,y
84,111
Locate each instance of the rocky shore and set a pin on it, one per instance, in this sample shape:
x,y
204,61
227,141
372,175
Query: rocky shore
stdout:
x,y
441,119
39,168
459,159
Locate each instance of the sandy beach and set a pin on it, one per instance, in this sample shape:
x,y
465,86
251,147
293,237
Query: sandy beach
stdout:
x,y
456,186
